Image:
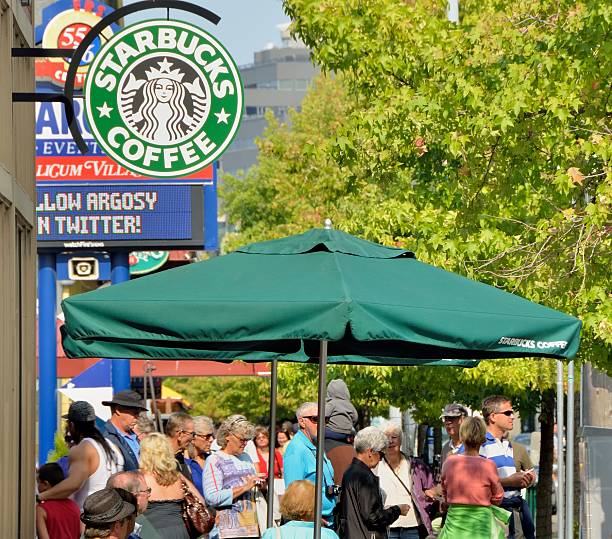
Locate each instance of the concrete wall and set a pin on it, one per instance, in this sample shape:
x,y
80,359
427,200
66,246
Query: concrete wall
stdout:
x,y
17,278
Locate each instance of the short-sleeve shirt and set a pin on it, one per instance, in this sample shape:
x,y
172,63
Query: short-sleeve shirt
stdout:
x,y
502,454
62,520
223,472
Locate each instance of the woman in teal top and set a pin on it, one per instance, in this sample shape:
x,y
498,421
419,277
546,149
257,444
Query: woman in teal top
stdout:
x,y
297,507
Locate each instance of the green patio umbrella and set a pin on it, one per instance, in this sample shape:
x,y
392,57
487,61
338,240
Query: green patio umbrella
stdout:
x,y
278,299
319,296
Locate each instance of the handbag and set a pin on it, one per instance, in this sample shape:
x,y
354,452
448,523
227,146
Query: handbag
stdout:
x,y
196,516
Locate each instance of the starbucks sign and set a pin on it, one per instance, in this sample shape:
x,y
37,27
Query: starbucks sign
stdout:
x,y
163,98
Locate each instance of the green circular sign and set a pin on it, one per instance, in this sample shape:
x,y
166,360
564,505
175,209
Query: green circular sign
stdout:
x,y
163,98
142,262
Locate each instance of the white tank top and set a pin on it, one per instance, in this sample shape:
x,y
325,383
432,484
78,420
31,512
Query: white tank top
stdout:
x,y
106,468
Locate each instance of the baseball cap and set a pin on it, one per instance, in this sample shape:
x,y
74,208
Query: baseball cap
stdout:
x,y
80,411
105,507
454,410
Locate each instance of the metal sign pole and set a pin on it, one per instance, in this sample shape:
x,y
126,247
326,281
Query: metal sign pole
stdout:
x,y
47,355
120,272
560,467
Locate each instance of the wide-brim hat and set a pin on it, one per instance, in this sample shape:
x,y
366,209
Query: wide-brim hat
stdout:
x,y
128,399
105,507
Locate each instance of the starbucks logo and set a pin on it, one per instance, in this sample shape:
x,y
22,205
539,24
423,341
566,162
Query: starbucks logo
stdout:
x,y
163,98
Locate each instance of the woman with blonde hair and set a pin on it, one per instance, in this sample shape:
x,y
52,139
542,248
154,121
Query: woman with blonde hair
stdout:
x,y
297,508
164,512
472,489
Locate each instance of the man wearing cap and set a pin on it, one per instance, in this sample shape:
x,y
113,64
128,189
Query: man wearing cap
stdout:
x,y
125,407
106,514
91,462
452,417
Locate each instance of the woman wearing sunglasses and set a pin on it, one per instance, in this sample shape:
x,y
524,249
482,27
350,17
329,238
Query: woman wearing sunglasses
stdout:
x,y
199,449
230,479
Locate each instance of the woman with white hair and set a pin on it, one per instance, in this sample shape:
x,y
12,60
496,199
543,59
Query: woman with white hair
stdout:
x,y
403,480
362,512
230,479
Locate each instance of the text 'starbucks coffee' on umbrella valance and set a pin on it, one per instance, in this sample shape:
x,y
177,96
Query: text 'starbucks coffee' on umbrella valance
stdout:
x,y
163,98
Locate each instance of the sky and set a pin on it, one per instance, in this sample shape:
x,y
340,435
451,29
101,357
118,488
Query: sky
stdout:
x,y
246,26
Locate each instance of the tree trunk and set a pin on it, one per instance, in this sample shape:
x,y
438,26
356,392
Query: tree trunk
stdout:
x,y
422,450
545,480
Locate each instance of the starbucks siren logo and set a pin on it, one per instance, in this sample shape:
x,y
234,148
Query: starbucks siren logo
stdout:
x,y
163,98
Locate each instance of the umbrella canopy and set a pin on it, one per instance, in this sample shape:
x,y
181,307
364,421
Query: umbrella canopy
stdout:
x,y
278,299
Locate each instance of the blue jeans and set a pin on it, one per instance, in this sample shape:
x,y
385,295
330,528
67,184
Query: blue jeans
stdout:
x,y
404,533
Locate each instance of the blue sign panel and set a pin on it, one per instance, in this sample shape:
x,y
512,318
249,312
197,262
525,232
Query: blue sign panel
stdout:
x,y
108,213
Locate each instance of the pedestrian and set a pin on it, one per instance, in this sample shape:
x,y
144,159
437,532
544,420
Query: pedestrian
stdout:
x,y
167,484
106,514
144,426
297,509
300,460
230,479
404,480
340,414
362,514
91,462
499,417
55,519
452,417
199,449
470,486
134,483
262,444
283,438
180,432
125,407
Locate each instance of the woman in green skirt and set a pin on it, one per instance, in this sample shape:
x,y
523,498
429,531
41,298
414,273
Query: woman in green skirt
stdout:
x,y
472,490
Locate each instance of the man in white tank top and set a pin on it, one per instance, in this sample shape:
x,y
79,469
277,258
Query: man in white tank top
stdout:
x,y
91,462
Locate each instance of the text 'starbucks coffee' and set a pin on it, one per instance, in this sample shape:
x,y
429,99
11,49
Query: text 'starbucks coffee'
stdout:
x,y
163,98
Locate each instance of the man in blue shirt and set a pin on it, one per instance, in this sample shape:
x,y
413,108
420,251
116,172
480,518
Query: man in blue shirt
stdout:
x,y
300,459
125,408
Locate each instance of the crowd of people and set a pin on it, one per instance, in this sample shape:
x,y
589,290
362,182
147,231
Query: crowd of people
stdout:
x,y
126,480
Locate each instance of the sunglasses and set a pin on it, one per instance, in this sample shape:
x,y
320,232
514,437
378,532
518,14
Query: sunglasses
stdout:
x,y
506,412
192,434
146,491
313,418
204,436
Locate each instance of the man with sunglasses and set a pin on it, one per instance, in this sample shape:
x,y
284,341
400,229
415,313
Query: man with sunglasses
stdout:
x,y
180,432
300,459
499,417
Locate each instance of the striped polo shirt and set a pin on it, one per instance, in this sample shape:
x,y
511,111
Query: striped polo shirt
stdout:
x,y
502,454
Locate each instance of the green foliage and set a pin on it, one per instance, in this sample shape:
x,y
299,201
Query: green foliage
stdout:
x,y
220,397
484,147
60,448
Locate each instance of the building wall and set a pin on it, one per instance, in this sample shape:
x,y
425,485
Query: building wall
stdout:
x,y
17,278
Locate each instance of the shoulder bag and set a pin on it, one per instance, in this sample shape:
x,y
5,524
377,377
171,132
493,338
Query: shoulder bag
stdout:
x,y
196,516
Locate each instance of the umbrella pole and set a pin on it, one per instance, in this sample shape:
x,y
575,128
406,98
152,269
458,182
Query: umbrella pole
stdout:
x,y
569,454
560,454
273,391
320,440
